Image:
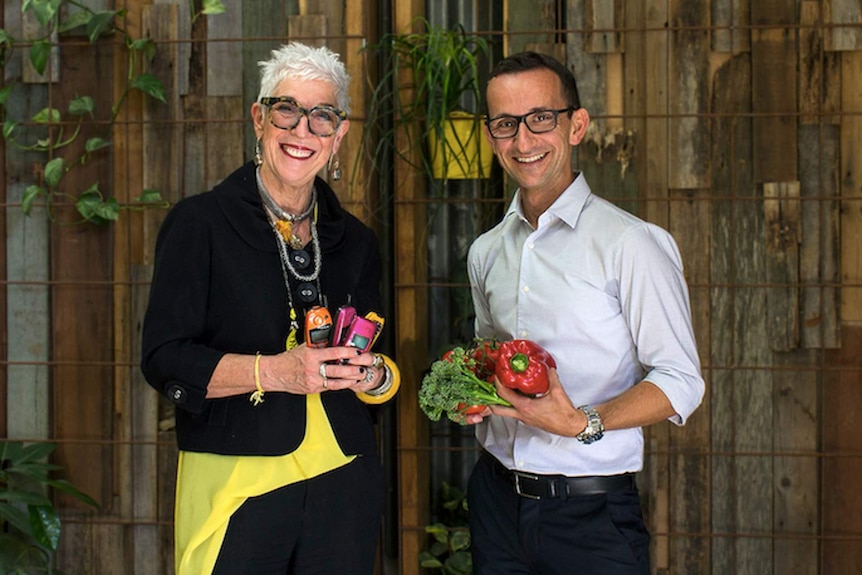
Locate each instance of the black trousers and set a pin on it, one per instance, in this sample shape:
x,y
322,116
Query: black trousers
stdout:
x,y
600,534
328,525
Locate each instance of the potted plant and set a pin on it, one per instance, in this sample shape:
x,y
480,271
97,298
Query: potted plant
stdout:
x,y
430,90
449,552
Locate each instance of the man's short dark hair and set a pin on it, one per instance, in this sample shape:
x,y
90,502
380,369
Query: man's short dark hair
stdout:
x,y
524,61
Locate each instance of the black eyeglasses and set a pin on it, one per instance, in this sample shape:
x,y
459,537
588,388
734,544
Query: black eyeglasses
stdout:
x,y
538,122
285,114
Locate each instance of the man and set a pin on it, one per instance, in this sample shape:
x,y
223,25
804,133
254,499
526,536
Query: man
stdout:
x,y
603,291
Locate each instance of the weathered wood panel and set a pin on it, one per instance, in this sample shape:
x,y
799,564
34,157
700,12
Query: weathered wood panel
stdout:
x,y
845,19
774,90
741,408
27,405
656,65
81,300
819,254
797,515
588,68
783,234
222,58
851,188
730,23
841,467
411,347
689,463
604,20
527,23
688,95
819,70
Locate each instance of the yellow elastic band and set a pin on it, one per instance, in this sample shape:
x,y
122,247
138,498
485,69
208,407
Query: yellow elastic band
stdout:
x,y
257,397
393,388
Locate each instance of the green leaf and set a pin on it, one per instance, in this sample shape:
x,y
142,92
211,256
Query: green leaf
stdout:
x,y
75,20
4,94
150,197
47,115
81,106
213,7
8,128
429,561
460,540
44,10
39,53
54,172
460,563
150,85
35,451
94,144
69,489
31,192
100,23
45,525
16,517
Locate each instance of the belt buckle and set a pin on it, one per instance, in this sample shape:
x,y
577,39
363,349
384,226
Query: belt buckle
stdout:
x,y
518,475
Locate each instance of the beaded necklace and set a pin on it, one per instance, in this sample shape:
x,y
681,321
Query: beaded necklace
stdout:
x,y
309,288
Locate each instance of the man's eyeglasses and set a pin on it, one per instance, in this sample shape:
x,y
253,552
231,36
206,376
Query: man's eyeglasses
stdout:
x,y
538,122
285,114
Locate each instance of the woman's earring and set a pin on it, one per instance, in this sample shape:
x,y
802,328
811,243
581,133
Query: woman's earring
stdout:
x,y
258,158
334,167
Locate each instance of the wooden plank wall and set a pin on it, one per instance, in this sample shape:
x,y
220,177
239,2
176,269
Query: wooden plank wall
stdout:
x,y
732,123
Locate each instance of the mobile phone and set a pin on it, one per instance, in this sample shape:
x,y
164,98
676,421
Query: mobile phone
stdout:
x,y
361,333
378,319
346,314
318,327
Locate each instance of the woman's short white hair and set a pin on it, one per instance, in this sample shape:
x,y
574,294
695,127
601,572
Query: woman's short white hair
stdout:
x,y
302,62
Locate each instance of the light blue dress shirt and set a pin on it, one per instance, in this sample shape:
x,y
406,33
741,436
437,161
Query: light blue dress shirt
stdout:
x,y
604,293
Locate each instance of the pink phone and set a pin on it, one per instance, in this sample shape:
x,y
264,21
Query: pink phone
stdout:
x,y
361,333
345,316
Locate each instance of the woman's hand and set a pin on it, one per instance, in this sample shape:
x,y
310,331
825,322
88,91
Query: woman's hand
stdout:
x,y
304,370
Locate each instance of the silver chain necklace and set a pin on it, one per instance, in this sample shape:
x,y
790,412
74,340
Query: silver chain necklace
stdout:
x,y
285,255
276,209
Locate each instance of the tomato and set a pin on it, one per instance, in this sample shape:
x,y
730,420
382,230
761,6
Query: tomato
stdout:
x,y
470,409
485,354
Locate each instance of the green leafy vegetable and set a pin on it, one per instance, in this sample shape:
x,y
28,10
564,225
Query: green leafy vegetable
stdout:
x,y
452,384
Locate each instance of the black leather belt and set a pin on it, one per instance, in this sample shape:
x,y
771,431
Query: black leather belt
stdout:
x,y
535,486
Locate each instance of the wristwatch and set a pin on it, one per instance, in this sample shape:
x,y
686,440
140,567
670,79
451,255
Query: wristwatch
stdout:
x,y
594,430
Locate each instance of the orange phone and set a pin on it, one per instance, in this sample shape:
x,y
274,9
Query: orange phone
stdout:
x,y
318,327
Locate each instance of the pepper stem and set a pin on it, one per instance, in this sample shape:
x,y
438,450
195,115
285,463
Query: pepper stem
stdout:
x,y
519,362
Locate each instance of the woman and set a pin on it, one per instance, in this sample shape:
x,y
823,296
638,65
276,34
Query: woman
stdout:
x,y
278,471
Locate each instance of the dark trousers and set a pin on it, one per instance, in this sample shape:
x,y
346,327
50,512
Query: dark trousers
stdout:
x,y
600,534
327,525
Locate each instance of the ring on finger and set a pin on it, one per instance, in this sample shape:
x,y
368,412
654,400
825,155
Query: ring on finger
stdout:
x,y
378,361
322,371
369,376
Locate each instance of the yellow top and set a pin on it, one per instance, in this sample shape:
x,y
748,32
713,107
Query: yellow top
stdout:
x,y
210,487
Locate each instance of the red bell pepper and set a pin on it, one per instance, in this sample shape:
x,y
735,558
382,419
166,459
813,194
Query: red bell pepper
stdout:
x,y
523,365
485,353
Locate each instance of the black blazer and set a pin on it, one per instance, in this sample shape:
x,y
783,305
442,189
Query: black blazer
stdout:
x,y
218,288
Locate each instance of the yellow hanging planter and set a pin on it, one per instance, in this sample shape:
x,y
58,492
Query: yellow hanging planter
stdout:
x,y
464,153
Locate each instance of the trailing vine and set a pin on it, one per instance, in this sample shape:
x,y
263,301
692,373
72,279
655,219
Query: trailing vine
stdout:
x,y
57,17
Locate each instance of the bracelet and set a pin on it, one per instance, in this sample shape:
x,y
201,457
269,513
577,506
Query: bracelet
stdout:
x,y
389,388
387,382
257,396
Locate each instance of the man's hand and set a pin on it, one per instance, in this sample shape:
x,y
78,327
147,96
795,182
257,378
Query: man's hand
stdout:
x,y
553,412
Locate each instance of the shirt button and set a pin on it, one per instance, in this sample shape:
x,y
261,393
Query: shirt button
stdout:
x,y
526,289
523,334
530,245
521,464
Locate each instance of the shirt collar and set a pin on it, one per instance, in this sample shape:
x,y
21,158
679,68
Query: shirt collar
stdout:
x,y
567,207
